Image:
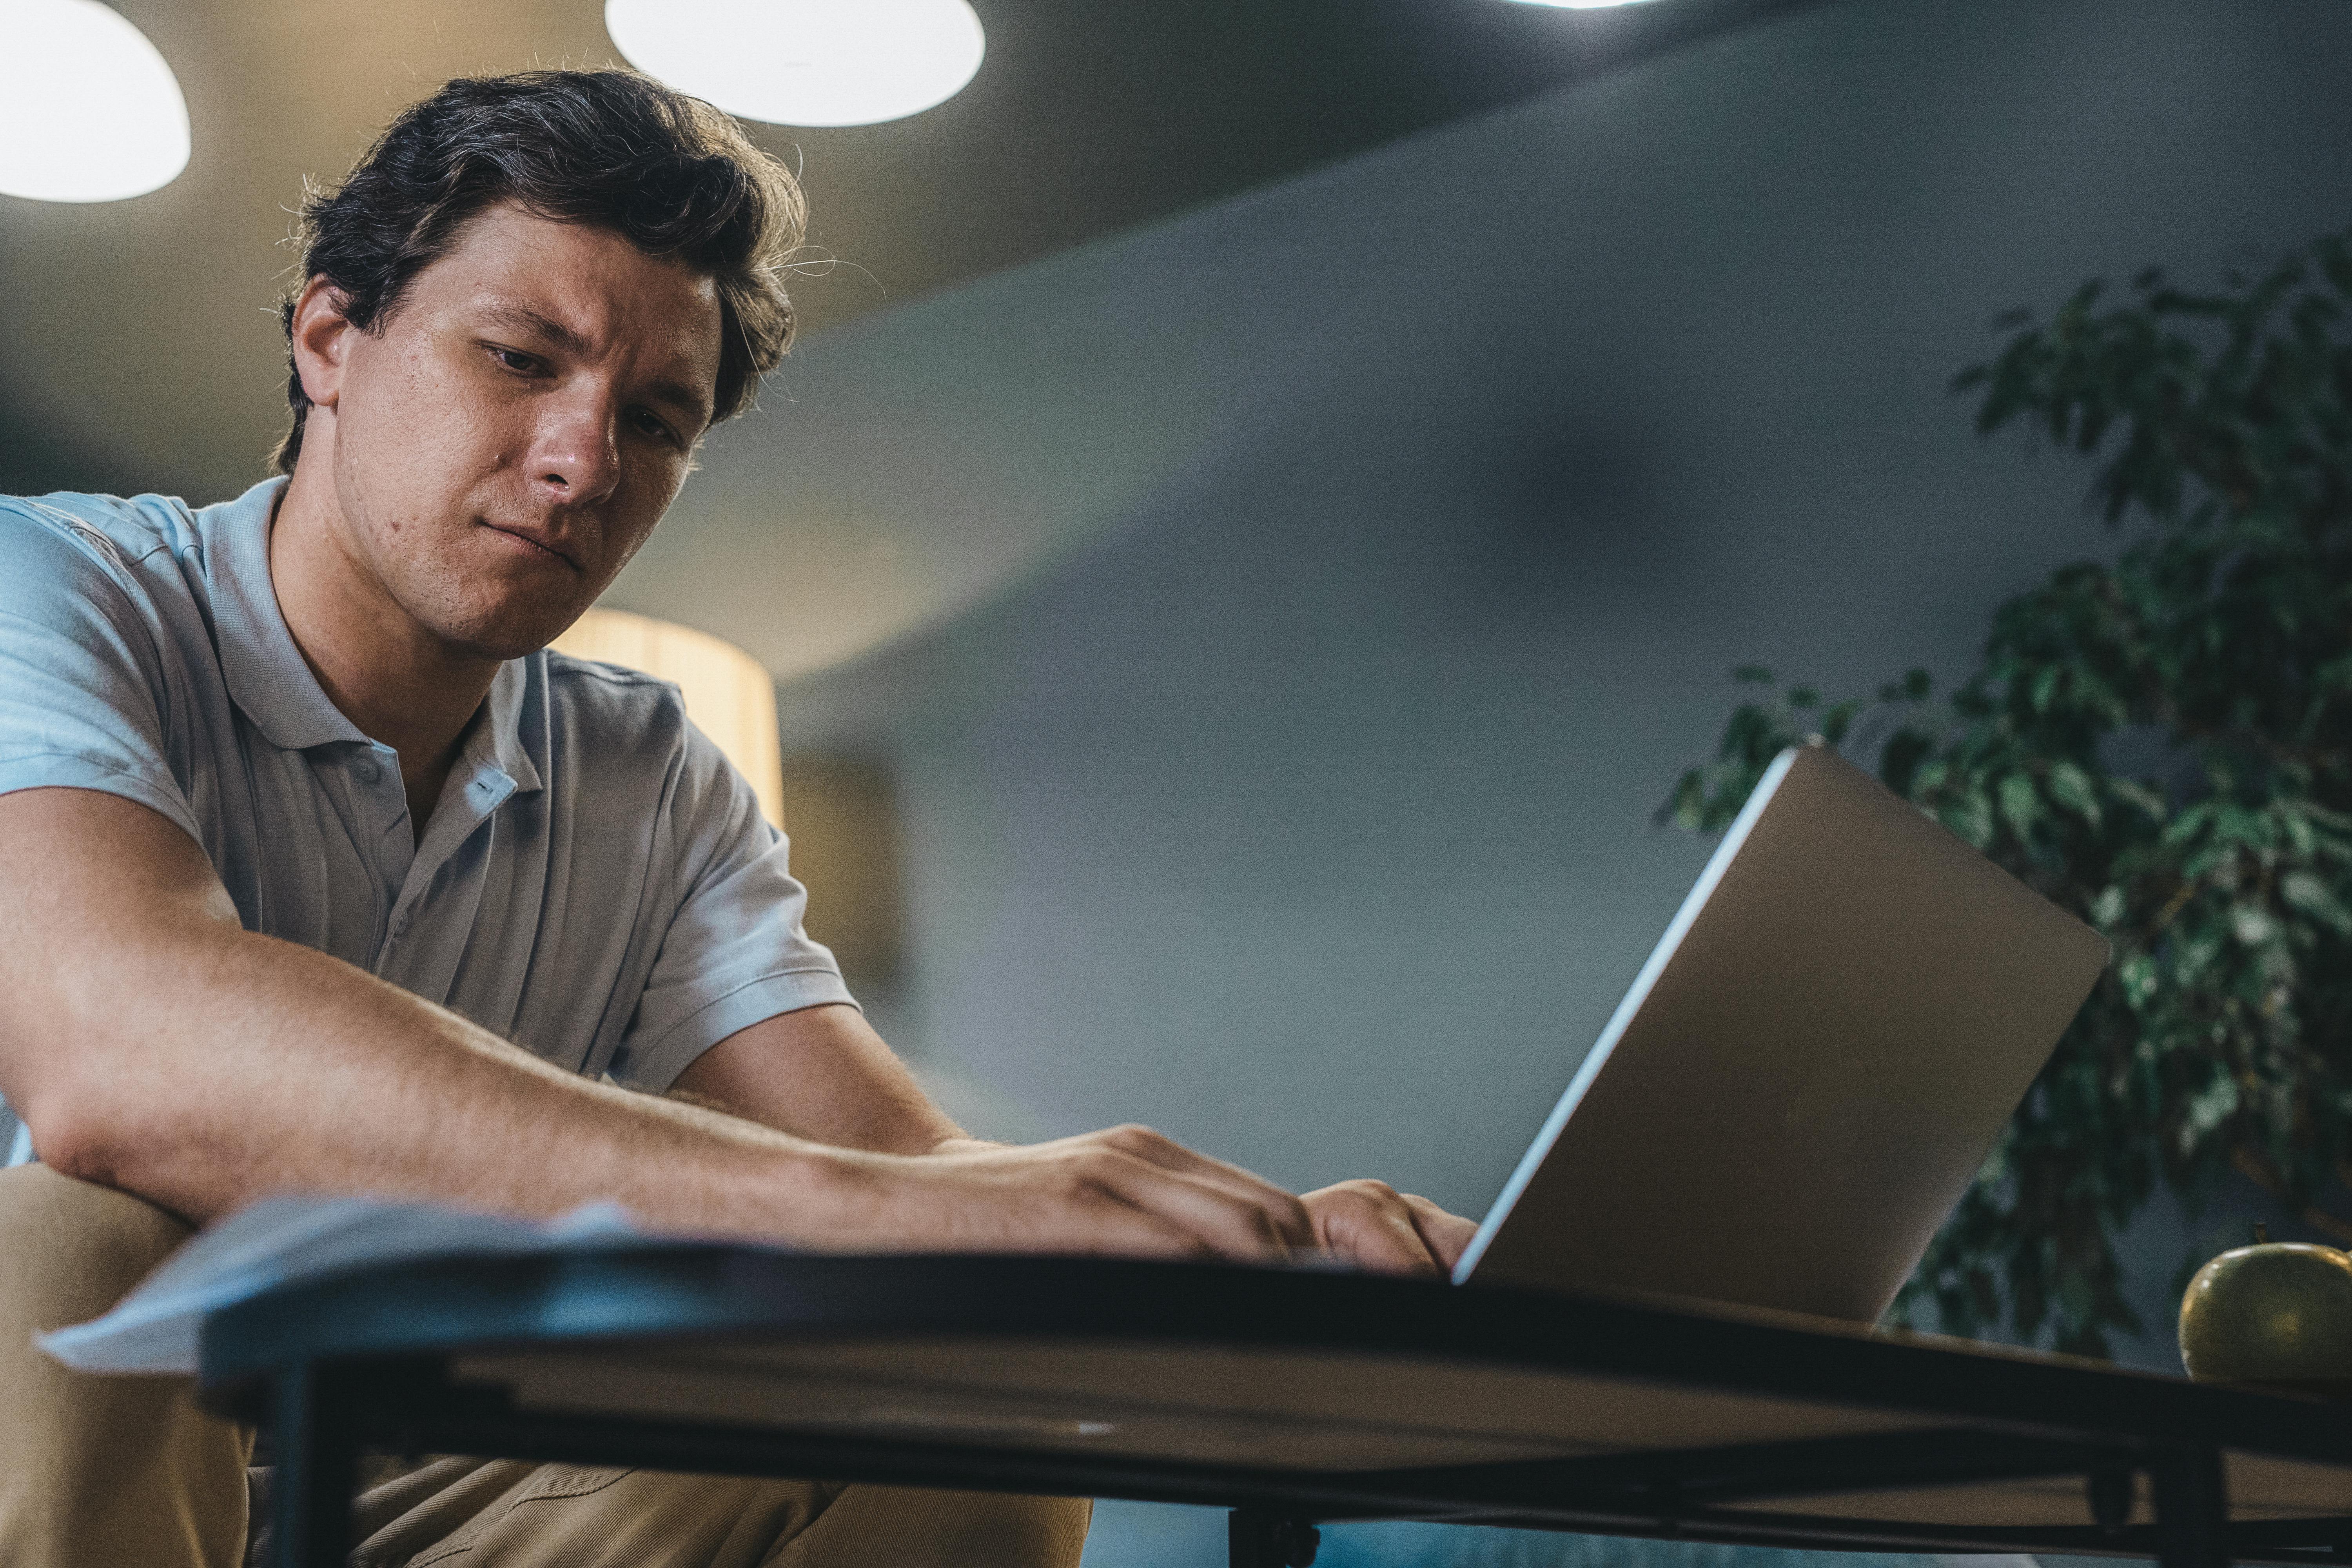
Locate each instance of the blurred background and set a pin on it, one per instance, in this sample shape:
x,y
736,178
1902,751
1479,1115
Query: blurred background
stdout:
x,y
1269,497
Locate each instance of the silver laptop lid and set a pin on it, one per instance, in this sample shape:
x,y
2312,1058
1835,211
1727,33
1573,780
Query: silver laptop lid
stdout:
x,y
1807,1072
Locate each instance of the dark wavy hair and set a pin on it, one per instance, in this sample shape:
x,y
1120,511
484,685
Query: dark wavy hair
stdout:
x,y
611,148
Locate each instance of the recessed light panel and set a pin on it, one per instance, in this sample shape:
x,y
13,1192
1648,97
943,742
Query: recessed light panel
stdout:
x,y
805,62
89,110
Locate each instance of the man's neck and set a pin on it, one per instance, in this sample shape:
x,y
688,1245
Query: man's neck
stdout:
x,y
400,684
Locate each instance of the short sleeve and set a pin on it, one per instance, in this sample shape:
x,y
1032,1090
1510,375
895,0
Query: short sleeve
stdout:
x,y
81,682
734,954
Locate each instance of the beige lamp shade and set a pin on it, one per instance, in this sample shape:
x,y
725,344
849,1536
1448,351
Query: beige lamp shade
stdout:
x,y
729,697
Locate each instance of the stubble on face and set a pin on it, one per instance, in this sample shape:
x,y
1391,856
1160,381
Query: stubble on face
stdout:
x,y
513,430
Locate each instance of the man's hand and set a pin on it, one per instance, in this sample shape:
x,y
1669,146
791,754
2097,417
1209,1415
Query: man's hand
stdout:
x,y
822,1074
1125,1191
1130,1192
1374,1227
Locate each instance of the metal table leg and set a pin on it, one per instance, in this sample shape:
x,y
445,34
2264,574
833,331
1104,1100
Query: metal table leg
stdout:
x,y
317,1470
1262,1538
2193,1507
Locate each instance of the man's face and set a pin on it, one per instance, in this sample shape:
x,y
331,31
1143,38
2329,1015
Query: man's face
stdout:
x,y
522,417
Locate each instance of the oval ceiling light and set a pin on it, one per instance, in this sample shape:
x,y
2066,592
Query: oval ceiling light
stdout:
x,y
89,109
805,62
1578,5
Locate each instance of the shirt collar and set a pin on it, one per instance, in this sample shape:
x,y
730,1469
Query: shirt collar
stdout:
x,y
266,676
272,684
498,739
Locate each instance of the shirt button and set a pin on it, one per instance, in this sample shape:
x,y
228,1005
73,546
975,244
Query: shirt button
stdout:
x,y
366,770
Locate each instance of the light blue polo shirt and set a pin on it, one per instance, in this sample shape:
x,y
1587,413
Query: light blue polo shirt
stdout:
x,y
596,883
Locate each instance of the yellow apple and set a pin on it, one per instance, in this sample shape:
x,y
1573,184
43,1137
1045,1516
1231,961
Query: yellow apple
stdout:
x,y
2279,1313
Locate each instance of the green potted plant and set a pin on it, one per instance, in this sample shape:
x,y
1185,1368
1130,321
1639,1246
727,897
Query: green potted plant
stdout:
x,y
2163,746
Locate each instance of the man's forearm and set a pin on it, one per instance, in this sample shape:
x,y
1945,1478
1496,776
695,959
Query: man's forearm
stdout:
x,y
153,1043
272,1067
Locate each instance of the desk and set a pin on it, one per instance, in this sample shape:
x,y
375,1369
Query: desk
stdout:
x,y
1293,1398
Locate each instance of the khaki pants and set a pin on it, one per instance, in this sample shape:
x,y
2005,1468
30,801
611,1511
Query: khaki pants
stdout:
x,y
108,1472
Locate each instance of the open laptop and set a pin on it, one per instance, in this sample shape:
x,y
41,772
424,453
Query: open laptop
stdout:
x,y
1809,1069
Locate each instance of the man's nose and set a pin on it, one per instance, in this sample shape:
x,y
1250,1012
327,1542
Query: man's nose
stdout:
x,y
577,457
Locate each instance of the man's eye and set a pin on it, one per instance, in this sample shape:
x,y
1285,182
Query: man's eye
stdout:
x,y
514,359
651,425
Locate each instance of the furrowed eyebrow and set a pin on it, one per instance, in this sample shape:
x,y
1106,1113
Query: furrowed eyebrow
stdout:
x,y
684,399
694,404
523,318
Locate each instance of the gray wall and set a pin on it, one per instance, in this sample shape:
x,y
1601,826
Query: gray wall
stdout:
x,y
1305,812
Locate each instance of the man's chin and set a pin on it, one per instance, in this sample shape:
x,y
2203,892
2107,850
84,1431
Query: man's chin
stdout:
x,y
499,638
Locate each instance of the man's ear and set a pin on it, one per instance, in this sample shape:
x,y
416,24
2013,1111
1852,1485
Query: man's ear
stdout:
x,y
322,340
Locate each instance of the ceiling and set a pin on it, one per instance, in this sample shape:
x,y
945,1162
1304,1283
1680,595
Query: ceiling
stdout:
x,y
1551,312
138,350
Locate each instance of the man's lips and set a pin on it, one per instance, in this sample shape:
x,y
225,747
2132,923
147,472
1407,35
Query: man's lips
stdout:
x,y
536,541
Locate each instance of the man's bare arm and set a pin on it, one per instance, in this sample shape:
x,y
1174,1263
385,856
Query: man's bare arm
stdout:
x,y
822,1073
153,1045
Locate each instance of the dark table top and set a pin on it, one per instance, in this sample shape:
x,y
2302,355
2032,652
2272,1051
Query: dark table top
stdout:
x,y
1335,1395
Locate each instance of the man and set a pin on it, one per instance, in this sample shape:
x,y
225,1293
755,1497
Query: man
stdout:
x,y
317,874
